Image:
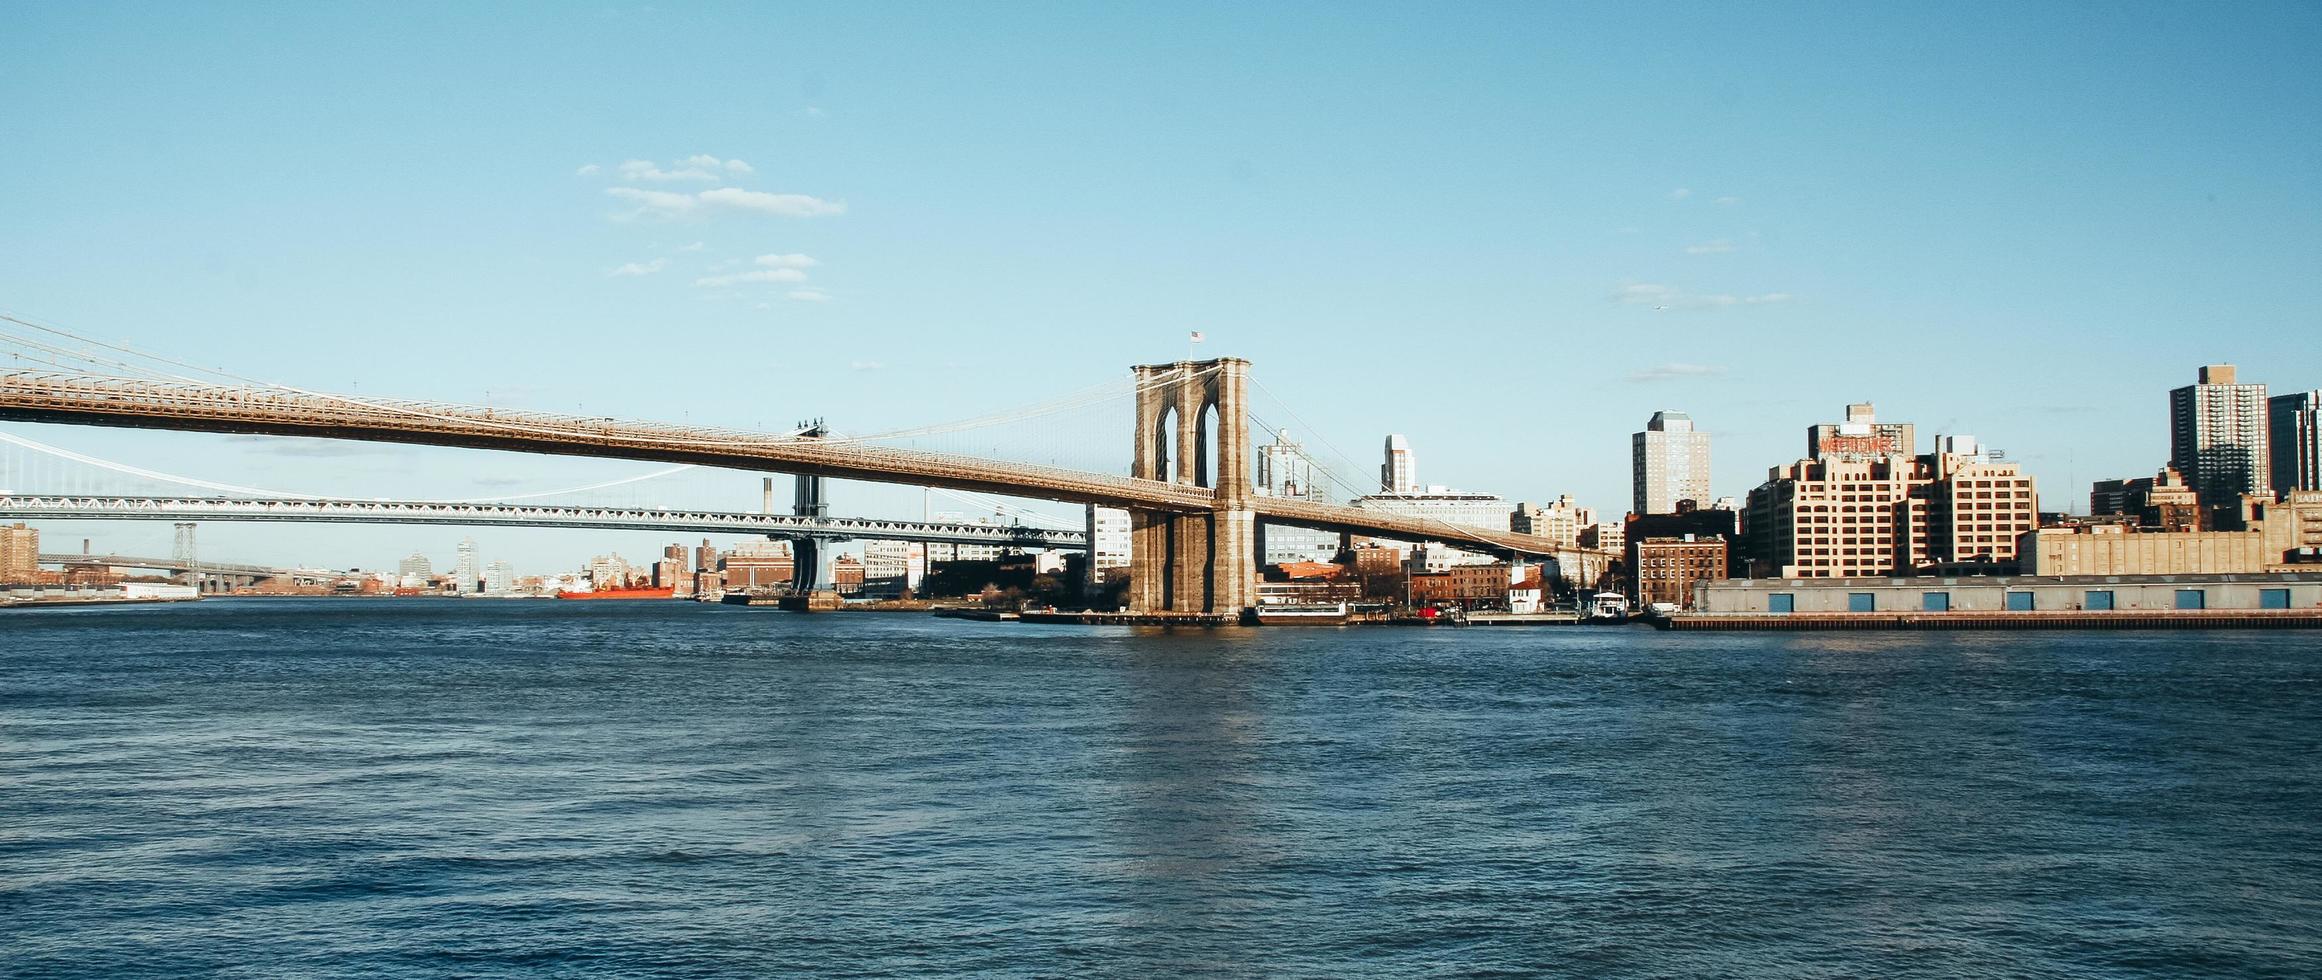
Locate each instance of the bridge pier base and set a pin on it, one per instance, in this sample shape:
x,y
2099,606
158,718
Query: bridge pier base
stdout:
x,y
1193,563
812,565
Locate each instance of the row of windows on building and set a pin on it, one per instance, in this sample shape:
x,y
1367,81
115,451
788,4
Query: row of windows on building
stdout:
x,y
2099,600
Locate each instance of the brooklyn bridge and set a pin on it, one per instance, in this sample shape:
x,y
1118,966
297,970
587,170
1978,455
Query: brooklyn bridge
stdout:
x,y
1195,517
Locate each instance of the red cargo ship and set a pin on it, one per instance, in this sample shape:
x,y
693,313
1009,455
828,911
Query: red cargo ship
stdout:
x,y
619,594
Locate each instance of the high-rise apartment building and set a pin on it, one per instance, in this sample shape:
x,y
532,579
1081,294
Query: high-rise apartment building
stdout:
x,y
2217,437
1284,470
1670,463
499,578
416,566
467,573
2294,441
19,553
1861,437
1400,472
609,572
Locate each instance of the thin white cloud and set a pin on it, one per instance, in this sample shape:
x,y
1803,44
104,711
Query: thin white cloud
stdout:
x,y
647,170
791,260
587,169
639,268
1717,247
754,275
1727,201
784,205
815,112
1663,297
738,167
808,295
695,247
866,365
653,204
1681,193
1674,371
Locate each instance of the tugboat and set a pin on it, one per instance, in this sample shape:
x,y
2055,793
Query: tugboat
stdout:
x,y
1608,608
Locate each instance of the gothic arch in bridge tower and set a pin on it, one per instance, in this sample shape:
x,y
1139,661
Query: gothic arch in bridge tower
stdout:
x,y
1193,427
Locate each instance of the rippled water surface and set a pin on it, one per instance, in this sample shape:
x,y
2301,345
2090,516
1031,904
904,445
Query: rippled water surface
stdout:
x,y
431,788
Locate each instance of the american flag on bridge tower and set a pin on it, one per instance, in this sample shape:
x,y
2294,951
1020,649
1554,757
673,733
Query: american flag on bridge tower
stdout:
x,y
1196,337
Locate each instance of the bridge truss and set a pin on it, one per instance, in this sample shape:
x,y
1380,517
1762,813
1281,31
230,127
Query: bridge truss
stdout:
x,y
110,508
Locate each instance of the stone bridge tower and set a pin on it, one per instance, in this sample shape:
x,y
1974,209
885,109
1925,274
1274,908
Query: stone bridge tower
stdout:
x,y
1200,562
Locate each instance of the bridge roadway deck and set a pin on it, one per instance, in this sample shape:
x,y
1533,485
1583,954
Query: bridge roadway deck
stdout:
x,y
73,399
108,508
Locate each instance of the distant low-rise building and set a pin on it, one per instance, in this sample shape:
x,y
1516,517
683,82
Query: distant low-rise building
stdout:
x,y
2164,501
1108,541
1667,570
1559,521
2013,594
2268,535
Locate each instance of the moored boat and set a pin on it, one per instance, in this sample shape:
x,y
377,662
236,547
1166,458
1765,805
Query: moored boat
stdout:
x,y
619,594
1607,607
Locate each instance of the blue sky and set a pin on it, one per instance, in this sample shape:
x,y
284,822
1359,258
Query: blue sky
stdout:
x,y
1511,232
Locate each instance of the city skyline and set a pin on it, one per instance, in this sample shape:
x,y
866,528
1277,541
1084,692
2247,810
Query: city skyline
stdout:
x,y
1861,438
1572,225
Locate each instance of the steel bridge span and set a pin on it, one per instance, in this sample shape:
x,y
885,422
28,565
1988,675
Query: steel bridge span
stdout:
x,y
107,508
225,569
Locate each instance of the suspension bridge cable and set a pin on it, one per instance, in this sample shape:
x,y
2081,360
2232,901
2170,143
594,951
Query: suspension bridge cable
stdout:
x,y
545,426
1460,530
83,458
68,454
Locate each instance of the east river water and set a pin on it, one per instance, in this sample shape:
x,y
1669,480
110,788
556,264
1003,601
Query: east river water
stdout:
x,y
438,788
